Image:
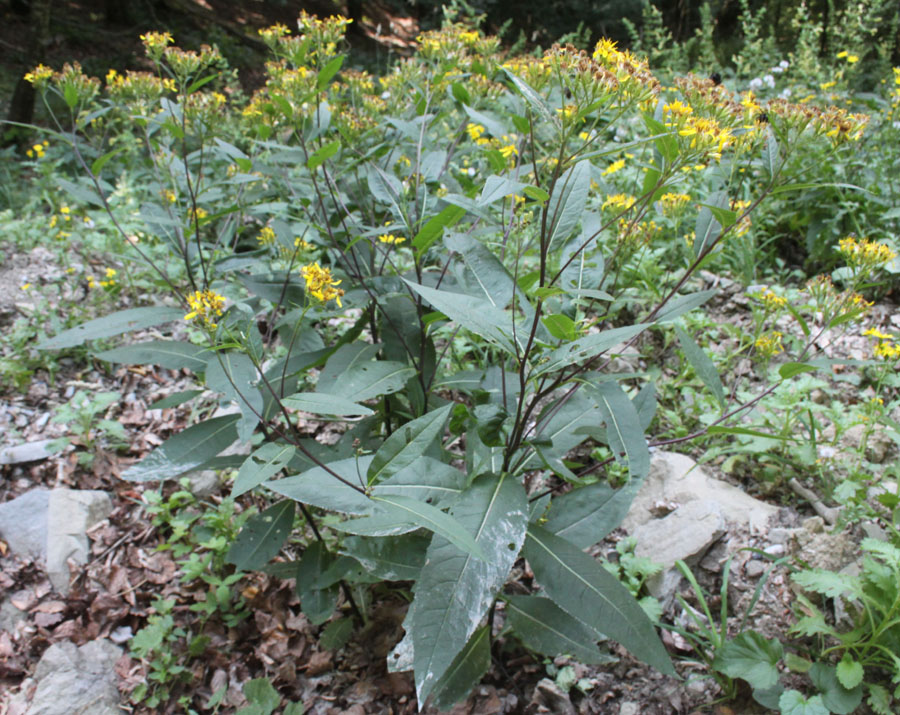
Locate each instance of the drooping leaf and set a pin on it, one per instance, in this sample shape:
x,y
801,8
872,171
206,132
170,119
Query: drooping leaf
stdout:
x,y
170,354
588,514
587,591
392,558
428,517
454,589
320,403
262,537
233,374
707,228
263,464
751,657
547,629
533,98
583,349
123,321
322,154
186,450
682,304
467,668
435,226
319,486
790,369
567,202
175,399
316,604
373,378
407,444
623,428
702,364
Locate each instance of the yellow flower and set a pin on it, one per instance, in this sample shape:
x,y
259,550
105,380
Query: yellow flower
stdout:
x,y
155,44
508,151
886,351
474,131
619,201
672,203
169,196
769,344
875,333
26,286
39,76
320,283
110,272
842,54
770,301
863,253
266,236
392,239
65,210
205,305
613,168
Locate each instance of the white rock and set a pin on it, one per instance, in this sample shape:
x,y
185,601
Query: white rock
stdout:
x,y
23,523
77,680
27,452
70,513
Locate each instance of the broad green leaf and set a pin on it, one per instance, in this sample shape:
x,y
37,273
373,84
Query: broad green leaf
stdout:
x,y
372,378
123,321
494,127
567,202
341,360
98,163
392,558
262,537
560,326
387,189
836,697
455,590
588,514
170,354
682,304
623,428
751,657
320,403
790,369
428,517
584,589
84,194
792,702
490,279
666,143
233,374
479,316
467,668
261,694
702,364
536,193
498,187
186,450
322,154
426,480
435,226
879,699
319,487
382,522
407,444
547,629
261,466
771,152
316,604
583,349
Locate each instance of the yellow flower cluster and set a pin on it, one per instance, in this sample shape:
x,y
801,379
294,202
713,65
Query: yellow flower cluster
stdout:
x,y
743,224
39,76
672,203
320,283
861,253
138,86
885,348
266,236
769,344
391,239
844,55
37,150
109,282
155,43
205,305
771,302
637,234
619,201
613,168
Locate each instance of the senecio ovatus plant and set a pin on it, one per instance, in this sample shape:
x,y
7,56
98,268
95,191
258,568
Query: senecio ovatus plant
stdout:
x,y
444,262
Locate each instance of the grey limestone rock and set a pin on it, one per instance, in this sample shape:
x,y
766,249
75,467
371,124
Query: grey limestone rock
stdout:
x,y
77,681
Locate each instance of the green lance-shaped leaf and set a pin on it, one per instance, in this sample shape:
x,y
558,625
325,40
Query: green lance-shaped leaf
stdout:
x,y
392,558
319,487
623,428
533,98
186,450
682,304
329,71
262,537
428,517
455,590
587,347
588,514
316,604
322,154
469,666
233,374
498,187
547,629
751,657
407,443
708,228
473,314
320,403
567,203
261,466
123,321
434,227
170,354
584,589
702,365
426,480
771,152
373,378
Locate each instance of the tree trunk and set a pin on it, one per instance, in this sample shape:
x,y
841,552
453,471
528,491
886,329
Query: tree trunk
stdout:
x,y
21,107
